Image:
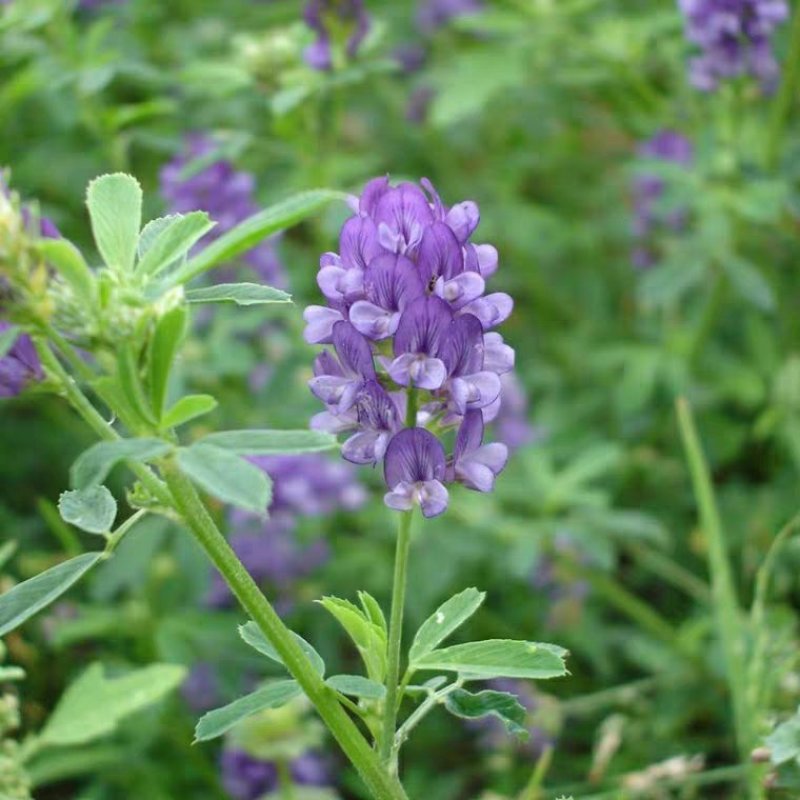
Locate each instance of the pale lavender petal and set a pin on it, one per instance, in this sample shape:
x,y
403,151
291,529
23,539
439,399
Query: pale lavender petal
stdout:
x,y
487,258
334,423
417,369
491,310
373,321
462,289
372,193
463,218
433,498
497,355
319,323
358,242
402,497
366,447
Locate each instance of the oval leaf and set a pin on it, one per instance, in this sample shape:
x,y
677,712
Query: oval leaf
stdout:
x,y
115,209
93,465
502,705
93,509
254,636
268,443
221,720
357,686
449,616
188,408
94,705
29,597
227,477
498,658
172,241
243,294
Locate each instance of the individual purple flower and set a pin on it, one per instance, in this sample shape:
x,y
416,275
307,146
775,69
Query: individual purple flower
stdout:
x,y
734,38
245,777
197,181
414,468
669,147
20,366
435,14
411,323
328,19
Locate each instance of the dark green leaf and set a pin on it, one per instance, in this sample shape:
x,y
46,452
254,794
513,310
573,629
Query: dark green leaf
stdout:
x,y
357,686
29,597
268,443
93,465
188,408
244,237
502,705
93,509
498,658
115,209
253,635
243,294
447,618
221,720
227,477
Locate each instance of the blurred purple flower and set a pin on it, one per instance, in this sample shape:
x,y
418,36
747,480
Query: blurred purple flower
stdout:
x,y
670,147
303,486
248,778
20,366
327,18
200,690
408,314
734,37
197,181
435,14
511,425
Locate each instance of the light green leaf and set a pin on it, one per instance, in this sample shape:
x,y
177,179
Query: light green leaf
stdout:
x,y
94,705
243,294
221,720
253,635
67,260
188,408
7,339
373,610
29,597
115,209
93,509
502,705
784,741
498,658
268,443
172,241
447,618
244,237
93,465
748,281
227,477
357,686
167,339
7,550
369,638
9,674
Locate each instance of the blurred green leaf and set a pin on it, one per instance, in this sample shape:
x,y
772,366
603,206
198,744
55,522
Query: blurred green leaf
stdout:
x,y
267,443
188,408
252,634
93,465
243,294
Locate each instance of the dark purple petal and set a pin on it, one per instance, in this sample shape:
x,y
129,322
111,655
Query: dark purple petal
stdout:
x,y
354,351
402,214
358,242
371,195
414,455
462,350
424,326
440,254
392,281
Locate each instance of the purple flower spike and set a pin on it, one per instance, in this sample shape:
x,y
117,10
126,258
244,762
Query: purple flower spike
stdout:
x,y
20,366
475,464
414,468
734,38
319,14
408,281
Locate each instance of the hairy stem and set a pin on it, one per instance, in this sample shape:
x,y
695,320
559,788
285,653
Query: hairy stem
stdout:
x,y
380,783
395,638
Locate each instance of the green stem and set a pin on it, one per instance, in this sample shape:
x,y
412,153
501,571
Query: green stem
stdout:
x,y
724,601
782,104
708,318
380,783
533,791
433,699
395,638
285,782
